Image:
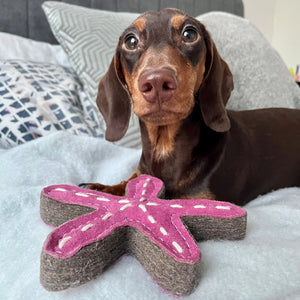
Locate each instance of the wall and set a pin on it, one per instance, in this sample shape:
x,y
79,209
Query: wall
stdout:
x,y
279,21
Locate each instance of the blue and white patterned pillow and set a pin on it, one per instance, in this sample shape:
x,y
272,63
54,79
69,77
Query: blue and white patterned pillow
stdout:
x,y
37,99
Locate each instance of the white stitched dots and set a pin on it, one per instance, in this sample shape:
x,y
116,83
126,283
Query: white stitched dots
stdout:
x,y
223,207
176,206
199,206
81,194
92,194
124,201
60,190
143,207
163,231
86,227
152,204
151,219
178,248
125,206
107,216
63,241
102,199
148,217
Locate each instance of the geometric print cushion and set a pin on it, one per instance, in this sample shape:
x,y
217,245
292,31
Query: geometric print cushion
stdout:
x,y
89,37
37,99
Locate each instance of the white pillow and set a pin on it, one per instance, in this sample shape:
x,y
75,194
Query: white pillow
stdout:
x,y
17,47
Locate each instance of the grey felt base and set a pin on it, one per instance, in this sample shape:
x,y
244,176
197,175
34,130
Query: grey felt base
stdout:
x,y
92,260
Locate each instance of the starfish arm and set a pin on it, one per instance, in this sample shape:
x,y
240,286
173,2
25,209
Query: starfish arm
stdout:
x,y
79,196
202,207
179,278
167,231
174,238
206,219
144,187
69,238
90,261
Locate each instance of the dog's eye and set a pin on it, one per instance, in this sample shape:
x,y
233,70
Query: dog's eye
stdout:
x,y
131,42
189,35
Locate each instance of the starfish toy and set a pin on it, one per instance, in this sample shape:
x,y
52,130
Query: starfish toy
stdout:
x,y
95,229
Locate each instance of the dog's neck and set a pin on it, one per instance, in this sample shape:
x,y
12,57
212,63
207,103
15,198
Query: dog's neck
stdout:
x,y
168,152
162,139
160,143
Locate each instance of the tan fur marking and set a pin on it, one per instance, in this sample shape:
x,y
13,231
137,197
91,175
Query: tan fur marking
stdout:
x,y
162,138
140,24
138,171
200,71
177,21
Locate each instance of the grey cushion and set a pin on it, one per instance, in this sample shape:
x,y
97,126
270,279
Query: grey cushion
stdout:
x,y
261,79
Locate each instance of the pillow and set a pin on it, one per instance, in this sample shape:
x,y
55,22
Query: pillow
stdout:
x,y
17,47
37,99
90,37
261,79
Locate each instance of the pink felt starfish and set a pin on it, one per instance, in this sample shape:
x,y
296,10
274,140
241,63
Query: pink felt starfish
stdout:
x,y
159,220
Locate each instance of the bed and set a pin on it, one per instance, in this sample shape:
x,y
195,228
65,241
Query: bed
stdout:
x,y
51,132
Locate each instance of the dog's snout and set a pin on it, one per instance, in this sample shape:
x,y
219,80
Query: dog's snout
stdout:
x,y
157,85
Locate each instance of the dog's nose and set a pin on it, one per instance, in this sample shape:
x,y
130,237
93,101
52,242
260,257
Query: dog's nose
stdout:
x,y
157,85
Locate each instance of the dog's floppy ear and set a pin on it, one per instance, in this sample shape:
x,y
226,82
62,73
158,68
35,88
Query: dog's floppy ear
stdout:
x,y
113,101
215,89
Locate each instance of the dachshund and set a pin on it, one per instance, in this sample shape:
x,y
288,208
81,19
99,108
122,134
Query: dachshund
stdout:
x,y
167,65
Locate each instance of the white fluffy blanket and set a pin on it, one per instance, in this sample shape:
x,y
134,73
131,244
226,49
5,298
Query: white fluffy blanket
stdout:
x,y
265,265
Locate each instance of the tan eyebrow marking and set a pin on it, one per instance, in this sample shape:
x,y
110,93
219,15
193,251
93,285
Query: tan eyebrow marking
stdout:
x,y
177,21
140,24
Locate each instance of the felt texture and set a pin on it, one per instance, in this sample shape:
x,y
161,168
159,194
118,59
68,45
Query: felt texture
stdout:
x,y
264,265
139,223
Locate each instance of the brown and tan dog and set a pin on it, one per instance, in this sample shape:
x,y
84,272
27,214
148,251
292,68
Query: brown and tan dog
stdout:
x,y
167,64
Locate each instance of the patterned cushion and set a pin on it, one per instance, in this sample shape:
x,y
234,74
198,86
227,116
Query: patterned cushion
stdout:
x,y
89,37
37,99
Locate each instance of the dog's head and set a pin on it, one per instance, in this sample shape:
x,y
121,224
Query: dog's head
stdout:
x,y
165,62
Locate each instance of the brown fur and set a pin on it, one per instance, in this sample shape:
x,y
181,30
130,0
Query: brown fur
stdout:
x,y
191,142
162,139
140,24
177,21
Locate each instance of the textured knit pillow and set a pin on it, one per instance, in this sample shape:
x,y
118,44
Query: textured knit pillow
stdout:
x,y
37,99
90,37
261,79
